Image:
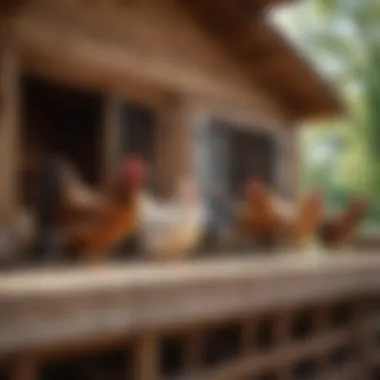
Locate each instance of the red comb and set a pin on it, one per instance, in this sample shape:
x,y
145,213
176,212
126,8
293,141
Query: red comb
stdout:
x,y
254,187
134,168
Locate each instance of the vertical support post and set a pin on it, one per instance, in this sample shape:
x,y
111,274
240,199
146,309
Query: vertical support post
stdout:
x,y
287,163
193,351
174,142
282,338
25,368
249,328
321,325
363,338
9,131
146,360
294,163
111,145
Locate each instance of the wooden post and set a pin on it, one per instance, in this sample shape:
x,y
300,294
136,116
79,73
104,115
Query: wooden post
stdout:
x,y
9,132
193,351
25,368
174,144
363,337
294,164
111,145
282,338
321,326
249,329
146,361
287,164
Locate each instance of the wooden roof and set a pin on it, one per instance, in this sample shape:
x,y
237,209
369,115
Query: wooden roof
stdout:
x,y
273,62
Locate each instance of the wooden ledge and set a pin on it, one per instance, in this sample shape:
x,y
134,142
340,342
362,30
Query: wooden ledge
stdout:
x,y
49,308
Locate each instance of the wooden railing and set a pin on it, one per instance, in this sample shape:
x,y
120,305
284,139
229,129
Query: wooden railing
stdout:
x,y
286,317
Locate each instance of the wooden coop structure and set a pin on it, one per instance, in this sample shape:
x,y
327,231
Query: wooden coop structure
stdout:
x,y
161,77
204,80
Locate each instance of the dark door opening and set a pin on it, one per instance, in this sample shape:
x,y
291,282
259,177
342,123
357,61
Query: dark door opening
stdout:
x,y
61,120
252,156
238,154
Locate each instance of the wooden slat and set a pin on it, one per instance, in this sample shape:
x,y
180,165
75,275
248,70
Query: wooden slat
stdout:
x,y
321,324
146,363
363,337
193,350
255,364
249,328
9,131
282,339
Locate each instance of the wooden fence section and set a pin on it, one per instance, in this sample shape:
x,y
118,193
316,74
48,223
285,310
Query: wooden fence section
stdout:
x,y
290,317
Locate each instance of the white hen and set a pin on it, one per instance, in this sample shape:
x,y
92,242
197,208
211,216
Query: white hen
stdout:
x,y
171,230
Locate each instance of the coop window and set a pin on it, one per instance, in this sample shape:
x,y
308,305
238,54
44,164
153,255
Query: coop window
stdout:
x,y
238,153
61,120
252,155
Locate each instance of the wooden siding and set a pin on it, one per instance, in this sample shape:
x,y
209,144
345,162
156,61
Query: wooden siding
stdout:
x,y
151,46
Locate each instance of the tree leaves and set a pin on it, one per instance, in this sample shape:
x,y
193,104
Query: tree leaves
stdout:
x,y
342,36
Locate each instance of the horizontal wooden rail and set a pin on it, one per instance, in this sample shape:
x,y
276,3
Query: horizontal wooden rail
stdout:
x,y
43,308
289,317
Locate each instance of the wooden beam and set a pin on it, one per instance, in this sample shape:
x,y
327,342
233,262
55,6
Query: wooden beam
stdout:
x,y
9,132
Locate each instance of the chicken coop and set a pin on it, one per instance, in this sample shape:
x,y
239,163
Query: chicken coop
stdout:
x,y
202,88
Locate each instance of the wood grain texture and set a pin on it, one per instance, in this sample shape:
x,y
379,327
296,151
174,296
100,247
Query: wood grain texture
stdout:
x,y
9,132
55,307
107,47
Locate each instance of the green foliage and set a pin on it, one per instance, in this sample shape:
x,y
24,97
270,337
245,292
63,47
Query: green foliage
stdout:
x,y
343,37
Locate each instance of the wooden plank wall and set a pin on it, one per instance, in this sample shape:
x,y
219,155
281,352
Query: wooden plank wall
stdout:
x,y
114,45
146,51
141,51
